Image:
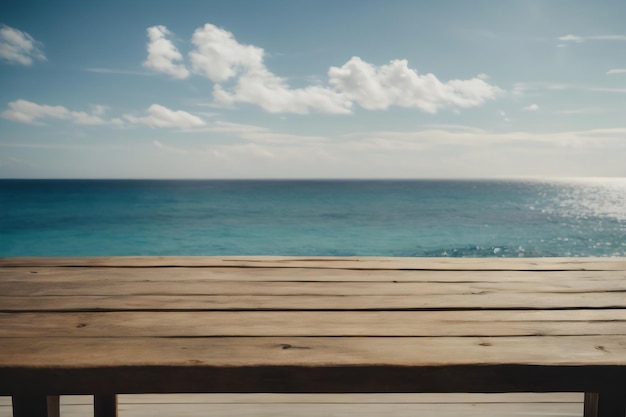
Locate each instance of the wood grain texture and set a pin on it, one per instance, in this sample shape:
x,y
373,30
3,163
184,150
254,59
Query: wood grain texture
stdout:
x,y
315,324
488,301
270,274
312,351
337,325
182,287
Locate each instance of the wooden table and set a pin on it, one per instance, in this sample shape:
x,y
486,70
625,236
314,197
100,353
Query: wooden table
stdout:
x,y
105,326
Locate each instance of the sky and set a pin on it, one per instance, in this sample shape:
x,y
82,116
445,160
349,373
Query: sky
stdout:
x,y
312,89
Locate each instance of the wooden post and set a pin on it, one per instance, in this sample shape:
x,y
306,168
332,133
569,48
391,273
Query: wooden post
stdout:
x,y
35,406
105,405
605,404
54,406
591,404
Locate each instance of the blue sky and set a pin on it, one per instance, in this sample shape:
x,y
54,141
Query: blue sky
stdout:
x,y
312,89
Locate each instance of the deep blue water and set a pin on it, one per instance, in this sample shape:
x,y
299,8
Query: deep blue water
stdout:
x,y
367,218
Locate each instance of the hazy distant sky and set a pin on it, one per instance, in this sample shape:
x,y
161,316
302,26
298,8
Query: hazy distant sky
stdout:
x,y
322,89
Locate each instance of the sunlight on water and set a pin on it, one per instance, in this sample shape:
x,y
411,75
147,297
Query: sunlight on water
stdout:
x,y
596,197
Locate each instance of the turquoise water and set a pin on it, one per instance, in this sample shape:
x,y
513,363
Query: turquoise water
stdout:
x,y
337,218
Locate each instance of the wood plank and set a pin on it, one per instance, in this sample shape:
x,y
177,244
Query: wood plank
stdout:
x,y
314,351
187,328
98,274
560,264
503,300
314,324
183,287
312,365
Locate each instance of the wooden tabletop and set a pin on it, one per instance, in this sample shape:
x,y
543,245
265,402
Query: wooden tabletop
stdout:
x,y
278,324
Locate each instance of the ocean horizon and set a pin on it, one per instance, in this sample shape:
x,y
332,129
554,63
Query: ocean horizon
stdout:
x,y
314,217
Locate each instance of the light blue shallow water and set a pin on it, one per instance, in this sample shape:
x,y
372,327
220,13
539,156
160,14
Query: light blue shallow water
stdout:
x,y
367,218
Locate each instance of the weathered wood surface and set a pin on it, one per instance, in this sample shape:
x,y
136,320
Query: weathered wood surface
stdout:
x,y
315,324
275,324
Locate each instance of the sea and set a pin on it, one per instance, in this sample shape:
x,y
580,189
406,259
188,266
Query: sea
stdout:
x,y
426,218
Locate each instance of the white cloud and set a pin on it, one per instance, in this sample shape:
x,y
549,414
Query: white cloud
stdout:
x,y
83,118
161,116
163,56
581,39
24,111
218,56
616,71
532,107
395,84
19,47
572,38
274,95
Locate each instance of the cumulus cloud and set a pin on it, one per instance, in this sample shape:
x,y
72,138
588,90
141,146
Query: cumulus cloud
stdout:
x,y
161,116
163,56
395,84
218,56
18,47
272,93
532,107
24,111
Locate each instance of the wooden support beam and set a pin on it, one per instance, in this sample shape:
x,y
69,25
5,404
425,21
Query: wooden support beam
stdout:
x,y
105,405
605,404
54,406
36,406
